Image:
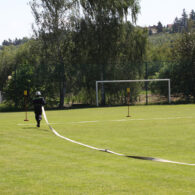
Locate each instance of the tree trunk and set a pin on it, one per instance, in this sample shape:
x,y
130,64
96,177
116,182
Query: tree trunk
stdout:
x,y
103,102
62,92
62,77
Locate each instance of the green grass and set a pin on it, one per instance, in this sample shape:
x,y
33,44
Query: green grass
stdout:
x,y
35,161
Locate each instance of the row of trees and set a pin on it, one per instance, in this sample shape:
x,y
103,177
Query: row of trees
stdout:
x,y
173,56
75,44
186,23
181,70
14,42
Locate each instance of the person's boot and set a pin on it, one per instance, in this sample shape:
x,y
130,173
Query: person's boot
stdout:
x,y
38,124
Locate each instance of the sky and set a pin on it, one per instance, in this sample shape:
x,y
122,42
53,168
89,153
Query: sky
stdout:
x,y
16,16
165,11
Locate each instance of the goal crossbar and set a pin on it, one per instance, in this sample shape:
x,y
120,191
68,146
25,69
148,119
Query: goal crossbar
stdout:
x,y
133,81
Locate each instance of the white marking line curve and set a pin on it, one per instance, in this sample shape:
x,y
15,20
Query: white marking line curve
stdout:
x,y
109,151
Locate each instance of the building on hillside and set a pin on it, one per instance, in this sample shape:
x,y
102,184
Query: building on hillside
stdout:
x,y
152,29
170,26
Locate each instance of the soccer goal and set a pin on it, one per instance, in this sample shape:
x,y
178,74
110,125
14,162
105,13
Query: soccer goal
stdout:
x,y
134,81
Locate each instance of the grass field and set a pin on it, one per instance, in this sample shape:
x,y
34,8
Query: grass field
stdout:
x,y
35,161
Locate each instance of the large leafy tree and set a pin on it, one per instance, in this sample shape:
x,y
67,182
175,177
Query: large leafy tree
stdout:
x,y
23,68
106,18
53,27
182,71
184,54
7,63
71,51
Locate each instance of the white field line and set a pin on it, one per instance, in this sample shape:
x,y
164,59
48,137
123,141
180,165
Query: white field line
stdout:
x,y
120,120
85,122
30,124
148,119
136,119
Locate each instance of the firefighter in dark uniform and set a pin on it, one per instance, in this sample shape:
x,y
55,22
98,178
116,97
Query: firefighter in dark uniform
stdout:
x,y
38,102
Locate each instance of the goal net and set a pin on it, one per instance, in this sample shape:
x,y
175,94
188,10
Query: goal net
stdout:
x,y
146,91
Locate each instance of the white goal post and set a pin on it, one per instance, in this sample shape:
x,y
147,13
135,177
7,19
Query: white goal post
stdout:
x,y
133,81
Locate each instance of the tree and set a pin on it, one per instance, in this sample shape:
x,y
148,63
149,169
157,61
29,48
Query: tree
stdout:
x,y
71,51
105,15
192,15
21,81
23,69
53,27
176,25
185,56
191,22
182,71
7,63
184,20
159,27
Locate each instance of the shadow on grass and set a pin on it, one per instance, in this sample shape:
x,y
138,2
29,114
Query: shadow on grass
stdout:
x,y
35,128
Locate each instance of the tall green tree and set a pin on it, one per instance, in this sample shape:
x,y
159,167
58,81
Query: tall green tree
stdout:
x,y
159,27
103,14
184,20
192,15
176,25
182,71
24,63
191,22
53,27
7,63
184,54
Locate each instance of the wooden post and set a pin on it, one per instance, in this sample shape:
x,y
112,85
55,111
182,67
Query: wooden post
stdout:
x,y
25,104
128,93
